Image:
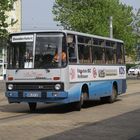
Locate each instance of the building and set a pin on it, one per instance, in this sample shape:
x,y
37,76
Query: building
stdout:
x,y
14,15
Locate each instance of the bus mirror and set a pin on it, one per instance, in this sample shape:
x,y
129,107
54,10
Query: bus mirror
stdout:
x,y
69,39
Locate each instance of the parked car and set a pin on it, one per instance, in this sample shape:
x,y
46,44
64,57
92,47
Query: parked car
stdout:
x,y
134,70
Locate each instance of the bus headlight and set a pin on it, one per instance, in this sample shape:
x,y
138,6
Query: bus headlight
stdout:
x,y
10,86
57,86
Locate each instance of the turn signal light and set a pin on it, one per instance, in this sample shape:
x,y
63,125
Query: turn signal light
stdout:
x,y
56,78
10,78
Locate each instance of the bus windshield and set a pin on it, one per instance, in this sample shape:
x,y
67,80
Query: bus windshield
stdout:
x,y
45,50
48,50
20,54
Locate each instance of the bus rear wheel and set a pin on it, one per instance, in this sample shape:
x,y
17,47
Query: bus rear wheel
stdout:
x,y
32,106
113,96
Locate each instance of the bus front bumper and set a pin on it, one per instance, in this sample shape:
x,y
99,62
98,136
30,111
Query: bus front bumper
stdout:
x,y
37,96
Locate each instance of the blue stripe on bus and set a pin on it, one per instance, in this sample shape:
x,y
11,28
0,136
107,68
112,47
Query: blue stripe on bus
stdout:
x,y
97,89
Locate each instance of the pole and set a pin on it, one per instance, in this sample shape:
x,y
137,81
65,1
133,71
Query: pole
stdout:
x,y
21,16
3,70
111,26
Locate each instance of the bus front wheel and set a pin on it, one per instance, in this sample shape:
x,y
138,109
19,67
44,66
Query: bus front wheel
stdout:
x,y
32,106
78,105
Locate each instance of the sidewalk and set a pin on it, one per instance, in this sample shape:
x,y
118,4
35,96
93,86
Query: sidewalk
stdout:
x,y
2,90
2,85
133,81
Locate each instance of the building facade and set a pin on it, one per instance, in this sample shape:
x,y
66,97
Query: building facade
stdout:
x,y
15,15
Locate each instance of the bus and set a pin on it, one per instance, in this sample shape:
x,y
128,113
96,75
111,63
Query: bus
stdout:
x,y
94,68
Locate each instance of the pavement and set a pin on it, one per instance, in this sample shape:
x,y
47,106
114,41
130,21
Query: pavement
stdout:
x,y
114,128
2,85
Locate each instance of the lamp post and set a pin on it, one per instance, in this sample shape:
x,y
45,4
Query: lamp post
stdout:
x,y
111,26
3,69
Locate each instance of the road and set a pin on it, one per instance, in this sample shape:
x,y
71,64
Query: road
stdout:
x,y
98,121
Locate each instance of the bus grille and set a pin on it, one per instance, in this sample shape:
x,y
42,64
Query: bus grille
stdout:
x,y
35,86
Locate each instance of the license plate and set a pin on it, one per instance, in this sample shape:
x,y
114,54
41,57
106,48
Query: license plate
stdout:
x,y
32,94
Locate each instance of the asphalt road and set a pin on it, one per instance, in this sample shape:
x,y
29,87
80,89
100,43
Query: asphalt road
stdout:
x,y
122,127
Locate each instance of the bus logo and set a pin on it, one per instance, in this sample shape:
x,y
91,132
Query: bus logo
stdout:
x,y
101,73
94,73
72,73
121,70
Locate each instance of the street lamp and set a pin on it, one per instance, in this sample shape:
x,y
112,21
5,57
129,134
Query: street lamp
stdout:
x,y
111,26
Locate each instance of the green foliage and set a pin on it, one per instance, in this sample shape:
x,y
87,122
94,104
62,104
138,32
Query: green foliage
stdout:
x,y
92,16
5,6
136,28
136,22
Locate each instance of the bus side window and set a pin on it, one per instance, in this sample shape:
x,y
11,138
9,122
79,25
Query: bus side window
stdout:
x,y
87,57
84,49
109,56
72,50
81,53
98,55
84,54
72,53
120,58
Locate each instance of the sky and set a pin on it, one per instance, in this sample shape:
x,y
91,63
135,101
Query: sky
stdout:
x,y
37,14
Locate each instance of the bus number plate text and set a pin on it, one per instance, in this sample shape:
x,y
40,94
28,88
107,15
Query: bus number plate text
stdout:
x,y
33,94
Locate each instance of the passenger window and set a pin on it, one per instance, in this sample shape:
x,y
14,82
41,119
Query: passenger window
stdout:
x,y
120,51
72,53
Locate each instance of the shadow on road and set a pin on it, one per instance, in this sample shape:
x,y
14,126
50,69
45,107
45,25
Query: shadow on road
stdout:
x,y
42,108
122,127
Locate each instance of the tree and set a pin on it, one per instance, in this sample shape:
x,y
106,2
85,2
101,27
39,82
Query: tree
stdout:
x,y
136,23
136,29
92,16
5,6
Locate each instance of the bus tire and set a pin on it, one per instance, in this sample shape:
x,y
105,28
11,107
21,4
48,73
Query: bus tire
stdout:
x,y
113,96
78,105
32,106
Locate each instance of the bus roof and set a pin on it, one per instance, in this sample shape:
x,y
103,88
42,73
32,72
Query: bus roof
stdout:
x,y
70,32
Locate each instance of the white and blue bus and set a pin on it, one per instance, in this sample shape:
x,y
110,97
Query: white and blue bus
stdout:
x,y
94,68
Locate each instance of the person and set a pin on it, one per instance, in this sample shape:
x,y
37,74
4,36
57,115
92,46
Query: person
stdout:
x,y
56,57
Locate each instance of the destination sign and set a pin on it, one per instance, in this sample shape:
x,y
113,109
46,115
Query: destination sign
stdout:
x,y
23,38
